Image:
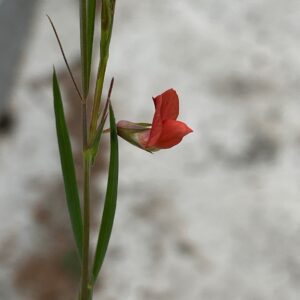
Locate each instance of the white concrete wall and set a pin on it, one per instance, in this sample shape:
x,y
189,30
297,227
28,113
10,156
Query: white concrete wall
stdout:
x,y
217,217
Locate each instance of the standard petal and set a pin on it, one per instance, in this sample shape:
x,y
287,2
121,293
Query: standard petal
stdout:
x,y
155,132
172,133
167,104
156,123
166,108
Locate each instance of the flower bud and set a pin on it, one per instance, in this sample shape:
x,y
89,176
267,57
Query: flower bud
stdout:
x,y
135,133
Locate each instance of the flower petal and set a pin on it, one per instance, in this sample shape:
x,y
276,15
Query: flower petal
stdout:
x,y
166,108
167,105
172,134
155,132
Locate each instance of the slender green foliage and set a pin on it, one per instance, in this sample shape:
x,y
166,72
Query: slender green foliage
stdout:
x,y
110,200
91,140
94,147
84,48
91,13
67,165
107,17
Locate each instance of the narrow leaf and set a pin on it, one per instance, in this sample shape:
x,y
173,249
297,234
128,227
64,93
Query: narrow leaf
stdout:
x,y
97,139
96,143
91,7
110,200
67,165
83,47
107,17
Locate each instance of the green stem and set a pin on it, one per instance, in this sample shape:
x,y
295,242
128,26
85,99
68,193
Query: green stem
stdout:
x,y
86,208
86,229
86,162
90,292
98,95
84,126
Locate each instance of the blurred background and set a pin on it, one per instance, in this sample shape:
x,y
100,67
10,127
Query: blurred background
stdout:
x,y
217,217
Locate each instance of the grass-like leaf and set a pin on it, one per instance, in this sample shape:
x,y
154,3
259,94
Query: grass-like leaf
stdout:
x,y
67,165
110,200
96,142
91,13
107,17
84,47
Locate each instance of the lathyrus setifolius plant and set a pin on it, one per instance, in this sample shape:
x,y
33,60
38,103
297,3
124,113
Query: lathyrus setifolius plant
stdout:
x,y
164,132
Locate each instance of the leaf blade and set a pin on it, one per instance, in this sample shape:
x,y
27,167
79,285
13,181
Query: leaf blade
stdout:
x,y
91,13
96,142
84,48
110,200
67,165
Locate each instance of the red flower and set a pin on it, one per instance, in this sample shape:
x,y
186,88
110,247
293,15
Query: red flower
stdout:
x,y
164,132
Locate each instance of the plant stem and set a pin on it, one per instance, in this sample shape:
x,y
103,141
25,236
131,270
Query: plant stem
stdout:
x,y
84,126
86,36
86,228
98,95
86,162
